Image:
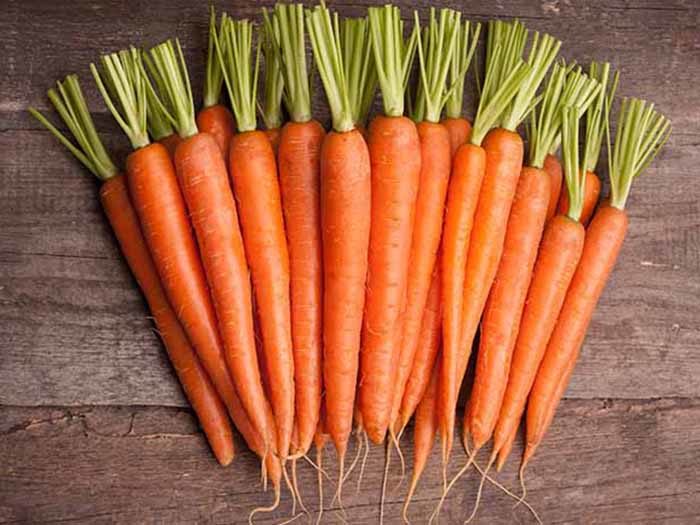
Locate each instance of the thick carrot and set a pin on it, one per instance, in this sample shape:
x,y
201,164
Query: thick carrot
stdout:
x,y
553,168
299,172
641,132
345,213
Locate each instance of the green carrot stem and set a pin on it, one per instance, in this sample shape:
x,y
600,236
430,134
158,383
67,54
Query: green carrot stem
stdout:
x,y
464,48
595,116
359,67
213,78
574,176
292,45
273,84
158,118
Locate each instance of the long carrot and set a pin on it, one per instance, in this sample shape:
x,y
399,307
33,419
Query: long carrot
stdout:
x,y
435,55
345,212
273,81
556,261
253,171
394,149
501,317
457,125
641,132
71,106
298,159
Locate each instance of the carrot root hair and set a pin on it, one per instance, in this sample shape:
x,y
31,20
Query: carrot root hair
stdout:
x,y
449,486
319,479
338,496
363,464
481,488
261,510
295,486
397,445
384,482
521,478
409,497
290,486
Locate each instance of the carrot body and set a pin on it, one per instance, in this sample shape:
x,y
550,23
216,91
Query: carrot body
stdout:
x,y
394,149
218,121
345,225
436,161
204,182
604,239
171,142
501,318
556,176
426,425
460,129
591,194
299,166
426,353
253,171
558,256
273,135
504,158
194,380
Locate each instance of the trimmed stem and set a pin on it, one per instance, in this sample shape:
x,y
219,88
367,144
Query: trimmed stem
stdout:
x,y
157,117
465,46
213,78
292,45
574,176
358,63
595,116
271,110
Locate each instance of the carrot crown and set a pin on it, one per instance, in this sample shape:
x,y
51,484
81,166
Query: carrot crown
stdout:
x,y
236,67
213,78
641,132
574,176
465,46
292,48
324,34
505,72
124,91
393,55
170,72
435,54
595,116
360,71
273,86
70,103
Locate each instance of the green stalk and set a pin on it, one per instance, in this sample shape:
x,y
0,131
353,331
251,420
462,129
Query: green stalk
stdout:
x,y
574,176
122,84
324,34
595,116
465,46
213,78
273,85
435,57
641,132
358,64
70,105
158,117
292,45
505,73
393,55
236,67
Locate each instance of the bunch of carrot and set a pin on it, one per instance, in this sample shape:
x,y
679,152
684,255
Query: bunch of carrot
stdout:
x,y
305,282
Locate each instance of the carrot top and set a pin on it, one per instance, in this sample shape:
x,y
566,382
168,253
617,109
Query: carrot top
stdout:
x,y
237,39
292,48
393,55
273,85
595,116
213,78
435,55
574,176
641,132
360,71
157,117
70,103
125,92
465,46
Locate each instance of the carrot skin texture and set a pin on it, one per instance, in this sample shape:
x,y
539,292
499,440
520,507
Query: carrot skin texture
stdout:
x,y
604,239
253,171
504,307
558,256
459,129
273,135
504,158
436,163
218,121
427,351
194,380
394,149
299,172
345,224
556,176
203,178
591,194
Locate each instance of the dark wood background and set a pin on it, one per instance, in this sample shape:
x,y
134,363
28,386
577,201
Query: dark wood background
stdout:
x,y
93,426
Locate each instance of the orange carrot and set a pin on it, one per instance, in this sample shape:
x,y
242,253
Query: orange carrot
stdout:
x,y
459,130
641,132
590,199
553,168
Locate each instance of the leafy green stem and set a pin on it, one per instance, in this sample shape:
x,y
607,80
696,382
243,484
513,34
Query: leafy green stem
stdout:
x,y
292,47
595,116
213,78
465,46
273,85
574,176
358,63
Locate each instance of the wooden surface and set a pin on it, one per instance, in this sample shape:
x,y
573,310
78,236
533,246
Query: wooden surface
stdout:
x,y
93,426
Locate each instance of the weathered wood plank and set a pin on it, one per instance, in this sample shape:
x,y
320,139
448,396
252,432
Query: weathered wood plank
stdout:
x,y
634,462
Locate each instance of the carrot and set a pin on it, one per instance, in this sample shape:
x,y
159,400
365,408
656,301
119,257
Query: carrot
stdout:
x,y
641,132
299,172
556,262
215,118
273,82
470,258
394,149
553,168
345,212
501,316
253,171
211,413
457,126
435,55
590,199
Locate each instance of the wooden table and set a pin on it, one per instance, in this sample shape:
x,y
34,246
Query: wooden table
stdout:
x,y
93,426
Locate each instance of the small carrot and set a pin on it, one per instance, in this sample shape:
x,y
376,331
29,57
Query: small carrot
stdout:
x,y
641,132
